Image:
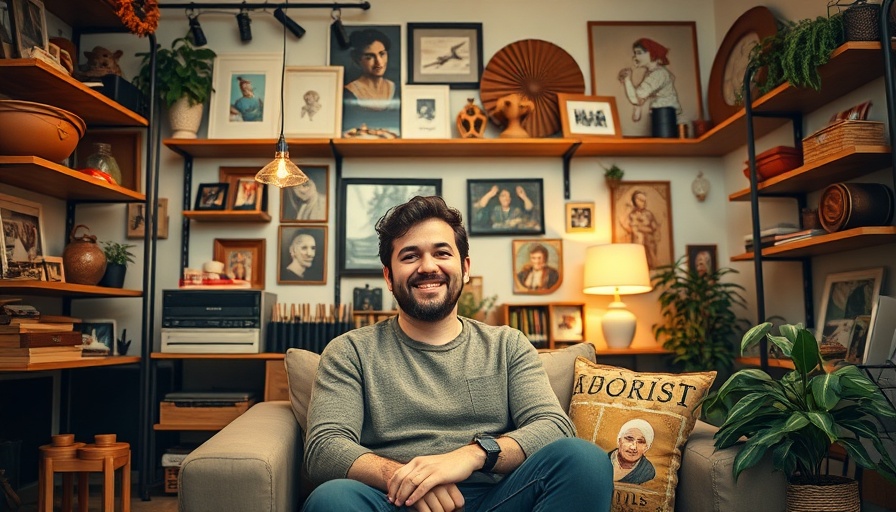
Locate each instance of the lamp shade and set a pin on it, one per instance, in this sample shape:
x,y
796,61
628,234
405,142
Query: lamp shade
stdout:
x,y
616,268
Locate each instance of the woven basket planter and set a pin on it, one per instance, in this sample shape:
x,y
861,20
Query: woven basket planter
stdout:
x,y
831,494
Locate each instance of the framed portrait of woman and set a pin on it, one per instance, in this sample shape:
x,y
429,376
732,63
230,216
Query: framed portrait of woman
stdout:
x,y
302,255
308,202
641,212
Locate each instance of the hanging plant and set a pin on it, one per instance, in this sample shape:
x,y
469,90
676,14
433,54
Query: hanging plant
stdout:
x,y
141,17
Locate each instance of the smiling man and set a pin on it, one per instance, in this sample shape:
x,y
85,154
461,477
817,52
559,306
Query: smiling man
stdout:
x,y
432,412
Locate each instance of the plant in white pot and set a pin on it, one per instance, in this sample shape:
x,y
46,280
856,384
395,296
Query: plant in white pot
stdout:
x,y
117,258
183,83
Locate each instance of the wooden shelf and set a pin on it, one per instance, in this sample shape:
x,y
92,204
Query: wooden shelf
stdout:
x,y
48,178
449,148
95,14
847,164
227,216
850,239
47,289
35,80
248,148
84,362
261,356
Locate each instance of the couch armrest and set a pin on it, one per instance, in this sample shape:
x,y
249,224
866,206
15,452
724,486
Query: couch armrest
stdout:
x,y
706,479
253,464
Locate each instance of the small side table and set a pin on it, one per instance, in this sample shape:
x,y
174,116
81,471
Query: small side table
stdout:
x,y
65,456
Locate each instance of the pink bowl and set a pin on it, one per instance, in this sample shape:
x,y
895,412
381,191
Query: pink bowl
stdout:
x,y
36,129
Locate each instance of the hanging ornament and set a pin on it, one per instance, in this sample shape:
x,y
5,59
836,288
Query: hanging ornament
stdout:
x,y
700,187
141,17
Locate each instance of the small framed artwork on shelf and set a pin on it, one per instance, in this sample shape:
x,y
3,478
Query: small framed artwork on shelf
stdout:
x,y
245,194
445,53
21,236
568,322
97,336
537,266
579,217
211,196
137,219
641,213
845,315
302,253
308,202
424,112
589,116
29,23
702,259
313,102
53,269
243,259
505,207
244,97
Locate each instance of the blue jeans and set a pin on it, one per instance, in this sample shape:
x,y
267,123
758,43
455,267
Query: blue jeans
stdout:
x,y
569,474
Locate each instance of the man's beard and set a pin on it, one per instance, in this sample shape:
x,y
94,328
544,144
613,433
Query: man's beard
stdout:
x,y
430,310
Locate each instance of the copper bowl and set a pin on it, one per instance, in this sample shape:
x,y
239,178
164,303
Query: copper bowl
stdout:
x,y
36,129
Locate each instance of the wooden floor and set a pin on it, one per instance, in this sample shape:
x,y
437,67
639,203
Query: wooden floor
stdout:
x,y
160,503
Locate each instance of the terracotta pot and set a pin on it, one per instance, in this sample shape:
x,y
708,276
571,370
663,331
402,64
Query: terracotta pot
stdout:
x,y
83,259
35,129
185,119
831,493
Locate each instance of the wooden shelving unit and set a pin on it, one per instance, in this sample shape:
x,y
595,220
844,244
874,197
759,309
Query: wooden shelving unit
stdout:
x,y
53,289
52,179
227,216
850,239
84,362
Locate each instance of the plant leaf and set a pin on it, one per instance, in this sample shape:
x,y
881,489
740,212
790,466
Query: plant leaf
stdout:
x,y
825,390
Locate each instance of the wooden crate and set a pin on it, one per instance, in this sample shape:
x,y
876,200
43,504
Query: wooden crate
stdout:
x,y
171,479
204,417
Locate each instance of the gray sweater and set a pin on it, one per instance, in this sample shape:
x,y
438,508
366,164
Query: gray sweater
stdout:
x,y
378,390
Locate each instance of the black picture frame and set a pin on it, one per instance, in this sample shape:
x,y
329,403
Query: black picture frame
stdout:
x,y
211,196
491,219
364,201
437,49
702,259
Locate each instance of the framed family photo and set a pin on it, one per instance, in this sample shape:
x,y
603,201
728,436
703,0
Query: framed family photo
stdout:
x,y
308,202
425,112
624,54
97,333
313,104
445,53
364,201
302,255
702,259
371,96
505,207
641,213
211,196
21,237
579,217
537,266
588,116
844,319
242,258
245,97
136,219
29,23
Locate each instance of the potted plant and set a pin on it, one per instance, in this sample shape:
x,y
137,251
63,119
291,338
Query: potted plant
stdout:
x,y
798,417
117,258
699,324
469,307
613,175
183,83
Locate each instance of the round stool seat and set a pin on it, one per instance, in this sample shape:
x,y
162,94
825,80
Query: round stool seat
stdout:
x,y
93,452
60,452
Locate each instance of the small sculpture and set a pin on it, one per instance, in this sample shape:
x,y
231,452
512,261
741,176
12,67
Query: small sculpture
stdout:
x,y
123,344
510,110
471,121
100,62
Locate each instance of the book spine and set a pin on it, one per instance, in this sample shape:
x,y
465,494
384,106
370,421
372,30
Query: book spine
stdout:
x,y
49,339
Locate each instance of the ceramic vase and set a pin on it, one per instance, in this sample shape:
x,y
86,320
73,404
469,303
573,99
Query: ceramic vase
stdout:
x,y
185,118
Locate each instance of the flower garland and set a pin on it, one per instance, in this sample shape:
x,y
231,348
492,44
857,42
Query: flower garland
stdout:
x,y
141,17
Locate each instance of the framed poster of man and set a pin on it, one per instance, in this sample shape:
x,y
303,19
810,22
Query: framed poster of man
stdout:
x,y
642,214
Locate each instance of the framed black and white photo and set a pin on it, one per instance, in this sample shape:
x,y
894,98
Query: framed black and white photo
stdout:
x,y
579,217
98,336
21,237
136,219
364,201
7,46
424,112
845,316
302,255
245,101
54,272
588,116
211,196
308,202
505,207
313,102
445,53
29,23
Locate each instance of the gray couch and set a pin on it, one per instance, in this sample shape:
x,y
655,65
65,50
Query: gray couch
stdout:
x,y
255,463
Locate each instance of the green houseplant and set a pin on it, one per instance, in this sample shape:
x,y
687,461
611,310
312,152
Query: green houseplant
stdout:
x,y
118,256
699,324
798,417
613,175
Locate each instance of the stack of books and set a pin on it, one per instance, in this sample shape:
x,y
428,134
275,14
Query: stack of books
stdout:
x,y
19,348
780,235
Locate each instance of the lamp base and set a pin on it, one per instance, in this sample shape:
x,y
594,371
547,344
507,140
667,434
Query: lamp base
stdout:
x,y
618,325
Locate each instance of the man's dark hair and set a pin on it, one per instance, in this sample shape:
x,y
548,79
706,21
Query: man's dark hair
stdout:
x,y
400,219
361,39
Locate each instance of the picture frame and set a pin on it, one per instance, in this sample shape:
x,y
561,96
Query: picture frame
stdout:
x,y
702,259
136,219
365,200
308,202
233,177
211,196
587,116
7,45
367,299
568,322
22,236
612,53
445,54
844,318
537,266
243,258
313,101
649,205
579,217
496,207
376,113
53,269
302,255
425,112
234,115
29,25
105,333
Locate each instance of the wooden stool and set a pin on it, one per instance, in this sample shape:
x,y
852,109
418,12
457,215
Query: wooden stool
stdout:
x,y
65,456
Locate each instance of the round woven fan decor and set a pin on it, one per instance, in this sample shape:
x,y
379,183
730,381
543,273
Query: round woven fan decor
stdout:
x,y
538,70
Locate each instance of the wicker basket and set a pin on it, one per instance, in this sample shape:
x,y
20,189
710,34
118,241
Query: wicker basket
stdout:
x,y
861,21
833,494
840,135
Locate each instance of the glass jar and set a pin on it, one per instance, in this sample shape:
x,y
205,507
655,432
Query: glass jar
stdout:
x,y
102,160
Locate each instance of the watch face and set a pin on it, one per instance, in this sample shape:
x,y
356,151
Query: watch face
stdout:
x,y
735,67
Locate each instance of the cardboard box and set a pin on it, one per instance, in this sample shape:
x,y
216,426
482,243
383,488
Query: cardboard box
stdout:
x,y
171,480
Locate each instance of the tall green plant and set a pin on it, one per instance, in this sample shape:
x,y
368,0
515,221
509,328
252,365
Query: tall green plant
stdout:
x,y
183,70
798,417
699,324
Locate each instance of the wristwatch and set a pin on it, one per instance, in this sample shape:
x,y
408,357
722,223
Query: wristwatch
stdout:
x,y
492,450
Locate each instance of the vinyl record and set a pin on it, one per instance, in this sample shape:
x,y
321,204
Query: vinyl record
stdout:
x,y
538,70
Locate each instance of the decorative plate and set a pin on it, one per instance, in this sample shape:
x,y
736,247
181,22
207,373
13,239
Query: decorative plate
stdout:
x,y
538,70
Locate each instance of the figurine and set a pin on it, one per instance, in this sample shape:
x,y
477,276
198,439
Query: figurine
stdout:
x,y
100,62
471,121
510,110
122,345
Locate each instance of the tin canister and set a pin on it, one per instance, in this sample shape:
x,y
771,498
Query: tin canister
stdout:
x,y
852,205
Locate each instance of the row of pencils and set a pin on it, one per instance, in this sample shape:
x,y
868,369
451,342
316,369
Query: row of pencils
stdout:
x,y
307,327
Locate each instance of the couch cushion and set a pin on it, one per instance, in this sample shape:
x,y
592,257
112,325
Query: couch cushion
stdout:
x,y
642,420
301,368
558,364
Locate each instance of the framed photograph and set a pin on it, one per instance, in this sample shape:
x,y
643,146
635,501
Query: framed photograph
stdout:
x,y
425,112
242,258
588,116
245,193
137,219
310,201
245,101
505,207
537,266
646,65
445,53
579,217
568,322
845,314
21,237
53,269
302,255
642,214
98,333
7,48
364,201
211,196
367,299
313,104
702,259
29,24
371,96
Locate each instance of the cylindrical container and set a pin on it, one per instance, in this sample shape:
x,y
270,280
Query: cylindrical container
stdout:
x,y
83,259
852,205
102,160
663,122
861,21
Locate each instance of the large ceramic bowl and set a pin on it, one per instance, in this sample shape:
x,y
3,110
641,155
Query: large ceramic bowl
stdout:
x,y
36,129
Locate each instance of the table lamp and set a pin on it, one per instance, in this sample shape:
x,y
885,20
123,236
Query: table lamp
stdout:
x,y
617,269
